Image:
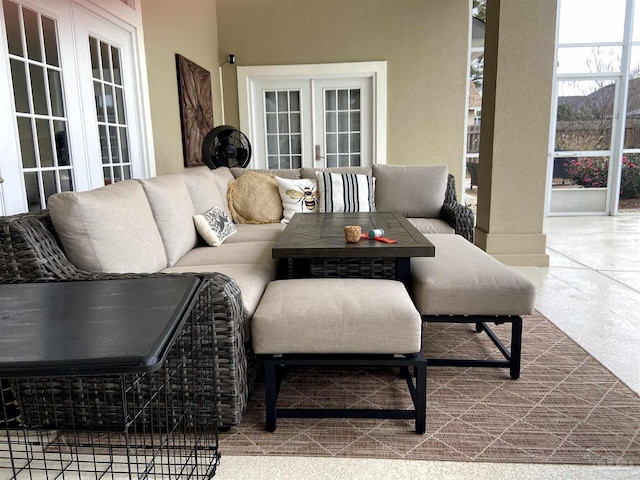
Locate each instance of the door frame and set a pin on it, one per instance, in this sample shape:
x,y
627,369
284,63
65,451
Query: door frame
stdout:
x,y
126,18
376,71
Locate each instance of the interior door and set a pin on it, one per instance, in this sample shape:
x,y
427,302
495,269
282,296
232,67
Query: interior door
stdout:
x,y
343,122
311,120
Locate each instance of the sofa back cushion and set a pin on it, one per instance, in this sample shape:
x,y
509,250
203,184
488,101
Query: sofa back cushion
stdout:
x,y
109,229
173,212
204,190
222,177
414,191
308,172
291,173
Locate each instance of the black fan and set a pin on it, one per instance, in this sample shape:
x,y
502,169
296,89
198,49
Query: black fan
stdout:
x,y
226,146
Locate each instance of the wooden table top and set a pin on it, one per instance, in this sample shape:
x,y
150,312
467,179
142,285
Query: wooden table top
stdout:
x,y
91,327
321,235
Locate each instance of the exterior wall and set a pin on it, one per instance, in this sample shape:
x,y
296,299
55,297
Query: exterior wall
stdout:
x,y
518,77
190,29
425,44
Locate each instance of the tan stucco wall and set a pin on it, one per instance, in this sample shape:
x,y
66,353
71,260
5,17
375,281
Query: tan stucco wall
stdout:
x,y
516,110
425,44
187,27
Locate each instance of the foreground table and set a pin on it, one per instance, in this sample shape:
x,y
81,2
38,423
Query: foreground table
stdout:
x,y
99,370
313,245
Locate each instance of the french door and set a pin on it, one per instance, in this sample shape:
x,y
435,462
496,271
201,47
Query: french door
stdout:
x,y
314,116
69,116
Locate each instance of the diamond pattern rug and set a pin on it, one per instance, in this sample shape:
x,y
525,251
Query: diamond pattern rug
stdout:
x,y
565,408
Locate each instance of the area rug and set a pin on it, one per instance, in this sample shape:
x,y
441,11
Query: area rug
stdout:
x,y
565,408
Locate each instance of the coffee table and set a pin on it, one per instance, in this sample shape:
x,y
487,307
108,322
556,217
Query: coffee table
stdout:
x,y
313,245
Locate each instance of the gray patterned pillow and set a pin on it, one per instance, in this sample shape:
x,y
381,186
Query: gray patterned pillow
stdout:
x,y
214,226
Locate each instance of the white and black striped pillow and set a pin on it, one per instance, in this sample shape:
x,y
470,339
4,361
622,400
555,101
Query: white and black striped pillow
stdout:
x,y
346,192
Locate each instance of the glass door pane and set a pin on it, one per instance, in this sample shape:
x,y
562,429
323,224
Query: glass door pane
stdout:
x,y
109,94
580,170
283,128
38,93
343,118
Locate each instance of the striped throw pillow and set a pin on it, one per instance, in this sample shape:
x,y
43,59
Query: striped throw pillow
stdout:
x,y
346,192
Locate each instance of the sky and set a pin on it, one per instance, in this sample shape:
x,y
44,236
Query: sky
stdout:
x,y
593,21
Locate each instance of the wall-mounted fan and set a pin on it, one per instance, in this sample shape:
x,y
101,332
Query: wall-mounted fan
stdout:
x,y
226,146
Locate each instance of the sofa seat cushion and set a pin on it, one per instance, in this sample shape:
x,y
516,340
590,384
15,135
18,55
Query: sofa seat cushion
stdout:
x,y
462,279
431,225
173,210
109,229
204,191
250,233
257,252
414,191
336,315
252,279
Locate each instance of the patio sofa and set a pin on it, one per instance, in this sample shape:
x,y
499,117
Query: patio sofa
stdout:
x,y
145,227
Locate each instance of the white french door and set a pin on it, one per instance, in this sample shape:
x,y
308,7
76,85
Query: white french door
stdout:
x,y
69,112
314,115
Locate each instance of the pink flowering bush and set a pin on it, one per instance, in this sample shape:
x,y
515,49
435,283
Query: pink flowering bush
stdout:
x,y
593,172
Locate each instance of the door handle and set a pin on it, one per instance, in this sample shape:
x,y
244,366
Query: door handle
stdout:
x,y
318,156
1,180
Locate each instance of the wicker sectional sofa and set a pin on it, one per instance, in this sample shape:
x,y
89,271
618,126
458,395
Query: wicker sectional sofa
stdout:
x,y
144,227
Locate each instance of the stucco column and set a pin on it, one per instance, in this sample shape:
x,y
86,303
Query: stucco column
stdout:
x,y
516,112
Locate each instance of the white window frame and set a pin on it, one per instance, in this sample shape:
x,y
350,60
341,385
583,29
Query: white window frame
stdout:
x,y
376,71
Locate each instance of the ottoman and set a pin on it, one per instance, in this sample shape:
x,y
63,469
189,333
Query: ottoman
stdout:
x,y
339,322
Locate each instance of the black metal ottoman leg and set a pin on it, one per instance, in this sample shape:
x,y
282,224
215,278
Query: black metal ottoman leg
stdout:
x,y
270,394
516,347
421,397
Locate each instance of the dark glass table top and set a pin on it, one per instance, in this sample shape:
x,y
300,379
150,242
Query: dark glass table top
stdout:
x,y
91,327
321,235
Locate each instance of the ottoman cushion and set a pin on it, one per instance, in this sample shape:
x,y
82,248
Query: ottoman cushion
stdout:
x,y
332,315
462,279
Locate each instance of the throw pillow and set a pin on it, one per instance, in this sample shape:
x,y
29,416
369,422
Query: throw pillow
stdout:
x,y
254,198
297,196
346,192
214,226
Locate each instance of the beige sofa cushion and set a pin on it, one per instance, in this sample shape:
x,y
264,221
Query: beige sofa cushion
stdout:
x,y
464,280
252,279
414,191
291,173
222,177
311,172
431,225
173,211
204,191
250,233
336,315
109,229
229,253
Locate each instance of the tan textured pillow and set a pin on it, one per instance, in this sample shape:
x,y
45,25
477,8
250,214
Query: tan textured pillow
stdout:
x,y
254,198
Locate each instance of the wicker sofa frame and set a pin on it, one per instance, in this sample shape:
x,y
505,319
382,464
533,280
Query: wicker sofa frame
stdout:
x,y
31,252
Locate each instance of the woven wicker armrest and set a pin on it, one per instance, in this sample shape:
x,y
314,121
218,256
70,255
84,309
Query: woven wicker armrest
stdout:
x,y
29,250
455,214
460,218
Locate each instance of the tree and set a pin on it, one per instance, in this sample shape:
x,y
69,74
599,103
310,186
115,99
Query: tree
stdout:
x,y
479,11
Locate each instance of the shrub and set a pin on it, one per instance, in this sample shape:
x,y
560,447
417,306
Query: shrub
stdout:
x,y
593,173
